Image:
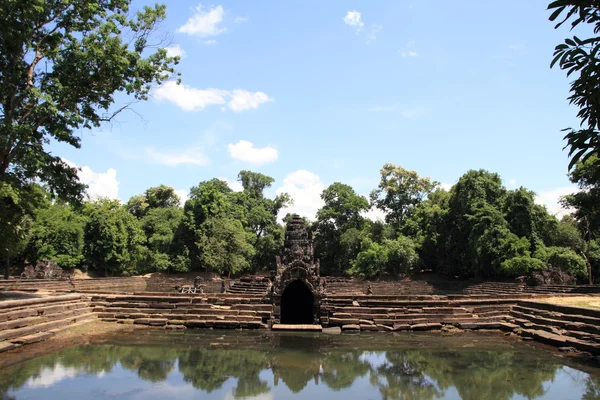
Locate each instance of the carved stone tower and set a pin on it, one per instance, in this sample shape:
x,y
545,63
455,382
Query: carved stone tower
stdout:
x,y
297,288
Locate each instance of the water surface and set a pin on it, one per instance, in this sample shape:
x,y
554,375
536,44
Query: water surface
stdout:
x,y
238,365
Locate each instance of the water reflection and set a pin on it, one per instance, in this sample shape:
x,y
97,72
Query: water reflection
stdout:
x,y
239,366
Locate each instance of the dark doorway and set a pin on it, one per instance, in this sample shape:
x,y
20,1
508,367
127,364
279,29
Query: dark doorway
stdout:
x,y
297,304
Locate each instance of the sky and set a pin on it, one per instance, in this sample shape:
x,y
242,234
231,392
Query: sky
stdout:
x,y
317,92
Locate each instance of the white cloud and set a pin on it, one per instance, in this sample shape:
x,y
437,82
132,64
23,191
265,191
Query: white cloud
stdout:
x,y
174,51
408,50
210,42
236,186
192,99
183,196
305,188
193,156
512,183
374,214
371,35
239,20
49,376
189,98
244,100
245,151
446,186
100,184
354,19
551,198
205,22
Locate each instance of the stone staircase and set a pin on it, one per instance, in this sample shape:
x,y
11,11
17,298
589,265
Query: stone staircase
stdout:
x,y
558,325
249,286
130,284
396,313
180,311
33,320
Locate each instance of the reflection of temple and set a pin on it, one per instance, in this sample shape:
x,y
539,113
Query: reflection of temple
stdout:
x,y
297,287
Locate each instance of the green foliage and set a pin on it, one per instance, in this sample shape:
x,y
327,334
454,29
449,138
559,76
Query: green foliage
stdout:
x,y
580,57
17,210
518,266
337,227
370,262
563,258
113,238
477,195
397,257
161,219
57,235
62,63
399,191
225,246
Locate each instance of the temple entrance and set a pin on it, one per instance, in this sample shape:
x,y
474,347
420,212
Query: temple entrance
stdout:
x,y
297,304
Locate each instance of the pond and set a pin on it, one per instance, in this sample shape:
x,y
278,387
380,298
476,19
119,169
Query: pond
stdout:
x,y
254,365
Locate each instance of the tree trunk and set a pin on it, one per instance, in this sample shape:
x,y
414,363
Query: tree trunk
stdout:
x,y
589,264
6,268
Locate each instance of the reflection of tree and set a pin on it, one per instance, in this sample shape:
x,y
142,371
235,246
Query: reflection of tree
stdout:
x,y
592,388
153,364
406,372
296,368
399,378
208,369
341,369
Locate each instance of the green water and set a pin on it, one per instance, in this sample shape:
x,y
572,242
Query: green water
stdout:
x,y
267,366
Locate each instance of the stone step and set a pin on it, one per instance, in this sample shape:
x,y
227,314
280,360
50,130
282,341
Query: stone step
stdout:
x,y
589,312
37,310
42,327
217,311
12,305
297,327
23,322
559,315
180,317
568,325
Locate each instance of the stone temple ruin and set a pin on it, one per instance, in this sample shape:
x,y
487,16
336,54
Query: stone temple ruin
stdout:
x,y
297,286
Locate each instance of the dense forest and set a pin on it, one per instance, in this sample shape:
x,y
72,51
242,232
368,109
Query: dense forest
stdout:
x,y
477,228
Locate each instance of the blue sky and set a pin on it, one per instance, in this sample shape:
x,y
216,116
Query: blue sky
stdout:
x,y
314,92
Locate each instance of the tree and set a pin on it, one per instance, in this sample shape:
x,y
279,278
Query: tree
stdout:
x,y
57,235
162,197
161,218
338,221
586,205
225,246
160,226
259,216
17,210
113,238
580,56
473,192
399,191
62,62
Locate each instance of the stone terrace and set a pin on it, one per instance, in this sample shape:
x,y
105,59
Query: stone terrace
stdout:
x,y
32,320
179,311
424,286
76,285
